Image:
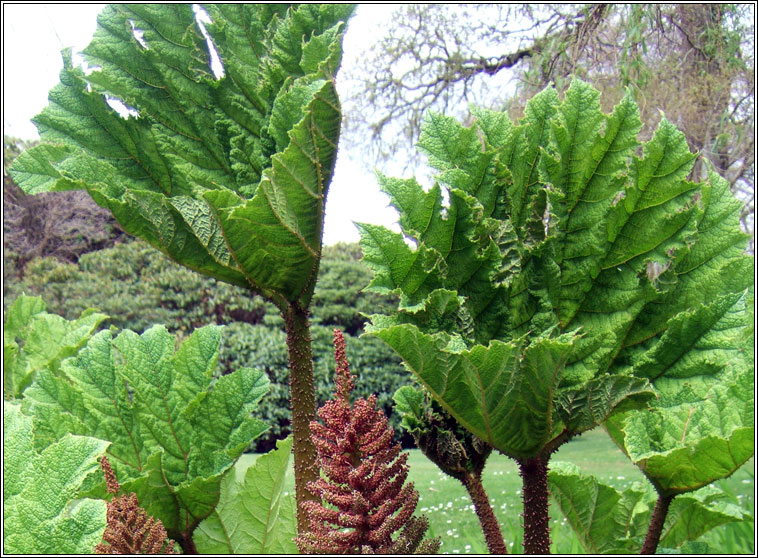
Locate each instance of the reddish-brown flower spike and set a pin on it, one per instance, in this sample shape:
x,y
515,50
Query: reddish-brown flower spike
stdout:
x,y
110,477
343,378
129,529
366,507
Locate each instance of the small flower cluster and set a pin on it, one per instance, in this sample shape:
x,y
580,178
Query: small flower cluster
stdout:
x,y
363,482
129,529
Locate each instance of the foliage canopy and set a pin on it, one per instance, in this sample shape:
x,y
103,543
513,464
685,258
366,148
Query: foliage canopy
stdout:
x,y
569,276
572,273
207,161
173,431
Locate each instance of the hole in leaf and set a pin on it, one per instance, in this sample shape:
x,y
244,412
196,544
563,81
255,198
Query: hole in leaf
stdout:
x,y
411,242
87,69
123,110
201,18
655,269
138,34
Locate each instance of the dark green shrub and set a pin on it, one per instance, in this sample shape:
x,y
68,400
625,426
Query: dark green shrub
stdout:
x,y
257,346
137,286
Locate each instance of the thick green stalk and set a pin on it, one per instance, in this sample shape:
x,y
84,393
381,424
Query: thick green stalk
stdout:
x,y
655,528
535,496
303,406
487,519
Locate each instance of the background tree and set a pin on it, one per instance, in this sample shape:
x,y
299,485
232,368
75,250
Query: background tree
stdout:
x,y
64,225
693,62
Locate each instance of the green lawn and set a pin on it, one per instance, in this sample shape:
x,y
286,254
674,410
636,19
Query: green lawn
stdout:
x,y
451,515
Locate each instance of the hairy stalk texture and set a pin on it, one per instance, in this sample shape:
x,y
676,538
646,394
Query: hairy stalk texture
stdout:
x,y
535,495
129,529
365,499
655,528
493,536
303,405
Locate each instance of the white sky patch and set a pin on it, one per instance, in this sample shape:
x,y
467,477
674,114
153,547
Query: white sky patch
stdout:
x,y
124,110
33,37
41,31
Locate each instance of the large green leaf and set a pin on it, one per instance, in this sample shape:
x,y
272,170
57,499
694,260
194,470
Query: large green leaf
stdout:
x,y
563,226
254,514
608,521
605,520
715,265
41,512
227,175
34,340
692,515
702,425
503,393
682,446
174,431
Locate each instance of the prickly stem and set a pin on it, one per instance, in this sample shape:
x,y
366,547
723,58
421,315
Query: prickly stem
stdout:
x,y
487,519
303,405
535,496
655,528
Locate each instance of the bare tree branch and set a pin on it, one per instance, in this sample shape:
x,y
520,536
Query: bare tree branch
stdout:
x,y
693,62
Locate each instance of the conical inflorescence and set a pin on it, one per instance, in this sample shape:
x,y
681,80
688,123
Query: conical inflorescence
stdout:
x,y
366,505
129,529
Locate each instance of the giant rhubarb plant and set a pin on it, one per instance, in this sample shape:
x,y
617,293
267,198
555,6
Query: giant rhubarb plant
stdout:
x,y
226,175
572,273
42,513
173,431
365,498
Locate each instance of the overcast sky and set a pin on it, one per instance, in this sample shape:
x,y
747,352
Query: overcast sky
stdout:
x,y
41,31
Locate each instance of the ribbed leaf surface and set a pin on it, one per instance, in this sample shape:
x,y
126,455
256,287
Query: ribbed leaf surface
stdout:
x,y
254,514
583,407
502,393
174,432
693,437
693,514
564,226
34,340
41,512
607,521
227,175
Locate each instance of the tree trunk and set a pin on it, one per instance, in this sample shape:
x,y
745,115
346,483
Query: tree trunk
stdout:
x,y
700,29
